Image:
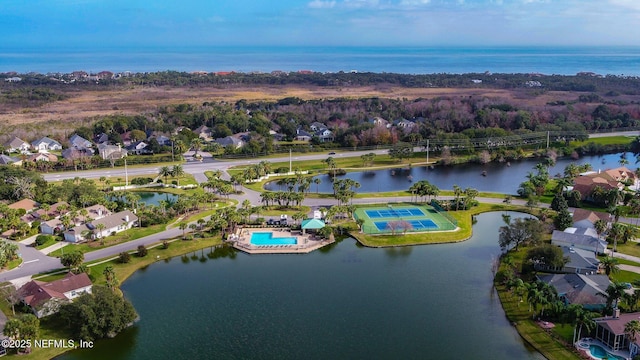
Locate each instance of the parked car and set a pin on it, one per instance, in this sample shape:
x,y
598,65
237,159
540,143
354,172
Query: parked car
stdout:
x,y
332,153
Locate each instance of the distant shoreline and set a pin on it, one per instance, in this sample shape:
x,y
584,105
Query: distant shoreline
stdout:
x,y
561,60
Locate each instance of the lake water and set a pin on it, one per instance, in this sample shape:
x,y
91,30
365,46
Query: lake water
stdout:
x,y
346,302
500,177
154,198
561,60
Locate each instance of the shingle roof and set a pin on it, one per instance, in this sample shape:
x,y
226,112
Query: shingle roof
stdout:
x,y
26,204
35,292
579,289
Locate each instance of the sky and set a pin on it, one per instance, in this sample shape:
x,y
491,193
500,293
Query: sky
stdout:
x,y
135,23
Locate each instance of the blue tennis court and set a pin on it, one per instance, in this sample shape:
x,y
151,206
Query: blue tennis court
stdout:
x,y
389,213
416,225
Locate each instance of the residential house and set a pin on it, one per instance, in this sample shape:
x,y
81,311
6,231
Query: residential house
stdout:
x,y
43,157
13,79
163,140
27,204
111,152
230,141
101,138
46,298
583,218
610,331
302,135
585,290
55,225
51,227
325,135
404,124
139,148
203,132
17,145
579,238
607,180
113,223
54,211
317,126
46,144
77,153
8,160
579,262
378,121
79,142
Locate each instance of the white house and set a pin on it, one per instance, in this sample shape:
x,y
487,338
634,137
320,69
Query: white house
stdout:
x,y
114,223
46,144
45,298
17,145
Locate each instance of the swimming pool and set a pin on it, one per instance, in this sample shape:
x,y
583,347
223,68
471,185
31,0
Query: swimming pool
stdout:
x,y
266,238
598,352
426,224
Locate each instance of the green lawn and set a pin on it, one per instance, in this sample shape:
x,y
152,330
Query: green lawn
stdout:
x,y
518,314
624,276
608,140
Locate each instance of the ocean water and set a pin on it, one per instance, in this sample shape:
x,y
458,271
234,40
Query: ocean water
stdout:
x,y
409,60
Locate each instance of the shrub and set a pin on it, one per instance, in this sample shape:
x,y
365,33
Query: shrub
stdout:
x,y
41,239
141,181
165,244
124,257
282,170
142,251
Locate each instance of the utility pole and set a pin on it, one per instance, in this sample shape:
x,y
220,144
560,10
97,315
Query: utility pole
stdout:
x,y
289,161
547,139
427,151
126,174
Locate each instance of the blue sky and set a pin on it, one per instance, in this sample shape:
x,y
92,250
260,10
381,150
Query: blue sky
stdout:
x,y
132,23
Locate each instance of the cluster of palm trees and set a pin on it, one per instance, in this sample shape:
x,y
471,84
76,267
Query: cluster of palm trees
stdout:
x,y
424,188
343,190
282,198
256,171
176,171
463,199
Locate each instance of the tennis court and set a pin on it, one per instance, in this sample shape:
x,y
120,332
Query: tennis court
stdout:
x,y
401,218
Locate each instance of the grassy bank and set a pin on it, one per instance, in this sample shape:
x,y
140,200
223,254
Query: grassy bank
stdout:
x,y
549,344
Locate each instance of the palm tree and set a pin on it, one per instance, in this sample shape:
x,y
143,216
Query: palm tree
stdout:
x,y
614,292
183,226
317,181
457,191
610,265
165,172
631,330
196,145
110,277
178,172
580,319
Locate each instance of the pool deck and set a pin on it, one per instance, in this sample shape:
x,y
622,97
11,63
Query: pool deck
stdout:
x,y
590,341
306,243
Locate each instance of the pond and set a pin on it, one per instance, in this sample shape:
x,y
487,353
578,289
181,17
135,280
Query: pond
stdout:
x,y
347,301
500,177
154,198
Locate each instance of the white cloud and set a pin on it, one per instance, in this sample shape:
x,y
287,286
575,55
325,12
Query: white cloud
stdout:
x,y
319,4
414,2
630,4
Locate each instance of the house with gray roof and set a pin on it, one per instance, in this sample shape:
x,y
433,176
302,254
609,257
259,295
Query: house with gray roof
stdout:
x,y
46,144
79,142
579,262
230,141
585,290
8,160
17,145
114,223
302,135
111,152
579,238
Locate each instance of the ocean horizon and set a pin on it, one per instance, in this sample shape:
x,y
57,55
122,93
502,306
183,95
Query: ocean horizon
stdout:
x,y
548,60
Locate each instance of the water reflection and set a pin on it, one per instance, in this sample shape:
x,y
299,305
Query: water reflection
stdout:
x,y
499,177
